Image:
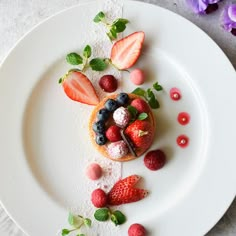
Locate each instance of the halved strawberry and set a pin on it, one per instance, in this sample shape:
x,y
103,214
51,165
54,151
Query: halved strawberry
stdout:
x,y
79,88
125,192
126,51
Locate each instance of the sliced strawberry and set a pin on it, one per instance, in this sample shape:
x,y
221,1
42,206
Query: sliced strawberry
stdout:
x,y
126,51
79,88
125,192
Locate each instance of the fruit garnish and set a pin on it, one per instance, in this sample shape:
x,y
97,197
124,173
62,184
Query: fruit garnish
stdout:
x,y
149,94
79,88
141,134
140,105
108,83
113,133
111,105
155,160
126,51
136,230
114,28
99,198
135,113
124,191
77,221
122,99
121,117
104,214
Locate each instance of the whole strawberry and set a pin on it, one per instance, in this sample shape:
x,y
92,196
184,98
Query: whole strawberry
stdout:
x,y
136,230
99,198
155,160
113,133
141,134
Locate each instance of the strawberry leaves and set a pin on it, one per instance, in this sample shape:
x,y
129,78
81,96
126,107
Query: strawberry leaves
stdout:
x,y
114,28
104,214
149,94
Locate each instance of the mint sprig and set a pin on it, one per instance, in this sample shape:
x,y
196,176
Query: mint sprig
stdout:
x,y
76,221
97,64
114,28
104,214
149,95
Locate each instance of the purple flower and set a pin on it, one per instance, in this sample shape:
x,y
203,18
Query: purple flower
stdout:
x,y
229,18
203,6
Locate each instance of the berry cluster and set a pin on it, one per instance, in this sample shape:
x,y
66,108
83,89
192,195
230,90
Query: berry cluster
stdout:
x,y
99,127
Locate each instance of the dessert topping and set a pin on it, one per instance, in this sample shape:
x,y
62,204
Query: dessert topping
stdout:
x,y
121,117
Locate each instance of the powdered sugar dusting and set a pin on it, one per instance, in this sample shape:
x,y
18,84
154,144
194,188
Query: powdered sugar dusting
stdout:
x,y
101,47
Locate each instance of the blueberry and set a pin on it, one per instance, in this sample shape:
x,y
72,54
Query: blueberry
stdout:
x,y
122,99
103,114
99,127
111,105
101,139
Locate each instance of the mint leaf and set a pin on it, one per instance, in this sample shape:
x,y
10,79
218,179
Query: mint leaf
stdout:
x,y
65,232
120,25
60,80
133,111
87,51
157,87
74,58
98,64
87,222
142,116
101,214
139,92
80,235
153,103
112,34
99,17
122,20
118,218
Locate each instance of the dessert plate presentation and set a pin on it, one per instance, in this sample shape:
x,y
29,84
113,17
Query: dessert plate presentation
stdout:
x,y
48,140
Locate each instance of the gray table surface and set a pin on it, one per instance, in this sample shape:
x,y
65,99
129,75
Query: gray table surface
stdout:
x,y
18,16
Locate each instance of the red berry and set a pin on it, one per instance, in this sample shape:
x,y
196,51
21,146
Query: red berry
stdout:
x,y
108,83
155,160
99,198
140,105
113,133
136,230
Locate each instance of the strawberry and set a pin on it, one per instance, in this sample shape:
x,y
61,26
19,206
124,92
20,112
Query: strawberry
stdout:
x,y
140,105
136,230
141,134
125,52
99,198
124,191
108,83
79,88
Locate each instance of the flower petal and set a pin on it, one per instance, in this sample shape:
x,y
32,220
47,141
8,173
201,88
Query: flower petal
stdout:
x,y
198,6
232,12
228,23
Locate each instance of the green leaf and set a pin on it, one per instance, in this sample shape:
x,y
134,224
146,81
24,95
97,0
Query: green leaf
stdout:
x,y
87,222
71,219
74,58
133,111
80,235
101,214
157,87
153,103
99,17
139,92
60,80
118,218
65,232
142,116
119,26
112,34
87,51
122,20
98,64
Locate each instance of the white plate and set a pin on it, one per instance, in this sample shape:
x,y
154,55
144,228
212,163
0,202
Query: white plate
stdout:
x,y
41,152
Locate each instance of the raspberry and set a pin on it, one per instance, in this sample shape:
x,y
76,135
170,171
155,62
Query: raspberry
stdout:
x,y
140,105
136,230
113,133
108,83
99,198
155,160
